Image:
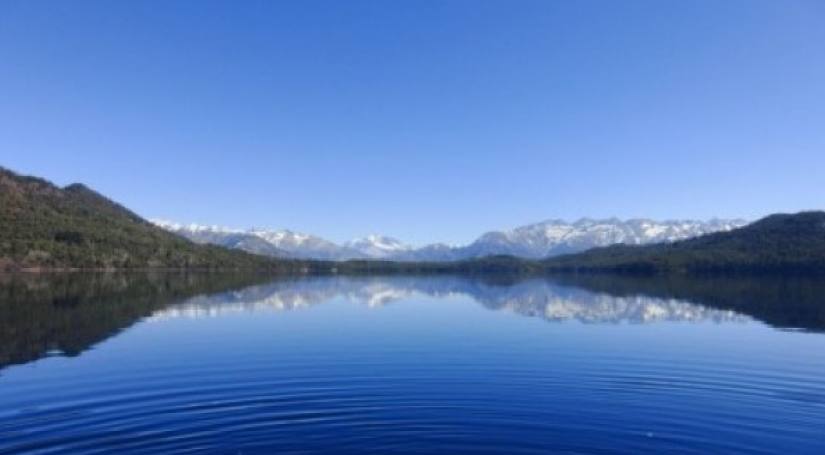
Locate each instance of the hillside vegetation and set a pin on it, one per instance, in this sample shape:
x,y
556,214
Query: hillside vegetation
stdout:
x,y
783,243
43,226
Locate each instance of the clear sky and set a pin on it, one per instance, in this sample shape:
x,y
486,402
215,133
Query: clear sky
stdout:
x,y
424,120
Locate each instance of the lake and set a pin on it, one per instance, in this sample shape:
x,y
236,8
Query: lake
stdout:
x,y
230,363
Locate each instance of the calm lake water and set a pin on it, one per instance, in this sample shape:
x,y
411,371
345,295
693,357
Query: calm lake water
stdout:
x,y
243,364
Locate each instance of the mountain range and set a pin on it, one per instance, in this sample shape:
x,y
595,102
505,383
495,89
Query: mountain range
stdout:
x,y
47,227
535,241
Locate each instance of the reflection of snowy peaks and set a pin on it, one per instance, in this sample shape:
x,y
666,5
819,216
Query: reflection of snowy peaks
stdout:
x,y
287,295
536,298
538,240
377,294
601,308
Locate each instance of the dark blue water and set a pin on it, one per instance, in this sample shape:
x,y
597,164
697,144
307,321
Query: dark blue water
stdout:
x,y
411,365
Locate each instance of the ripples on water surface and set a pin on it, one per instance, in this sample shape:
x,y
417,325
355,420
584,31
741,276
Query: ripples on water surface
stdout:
x,y
233,364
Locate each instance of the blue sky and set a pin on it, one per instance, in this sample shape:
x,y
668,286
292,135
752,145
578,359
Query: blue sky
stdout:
x,y
425,120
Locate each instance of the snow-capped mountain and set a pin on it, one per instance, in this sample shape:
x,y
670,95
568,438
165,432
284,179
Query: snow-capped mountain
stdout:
x,y
539,240
378,246
304,245
282,243
230,238
555,237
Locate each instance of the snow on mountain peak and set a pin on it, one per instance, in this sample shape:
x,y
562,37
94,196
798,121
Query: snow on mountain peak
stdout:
x,y
547,238
378,246
192,227
553,237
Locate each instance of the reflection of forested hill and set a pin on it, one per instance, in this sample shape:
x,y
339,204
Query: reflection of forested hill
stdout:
x,y
68,313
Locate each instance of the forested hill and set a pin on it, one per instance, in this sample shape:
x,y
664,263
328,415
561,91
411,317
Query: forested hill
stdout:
x,y
43,226
775,244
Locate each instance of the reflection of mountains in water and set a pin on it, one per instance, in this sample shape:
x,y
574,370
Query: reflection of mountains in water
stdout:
x,y
66,314
536,298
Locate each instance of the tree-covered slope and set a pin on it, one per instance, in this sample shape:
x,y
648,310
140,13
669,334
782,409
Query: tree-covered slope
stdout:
x,y
777,243
45,226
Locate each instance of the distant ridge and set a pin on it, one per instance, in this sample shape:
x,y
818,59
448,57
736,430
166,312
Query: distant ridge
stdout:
x,y
534,241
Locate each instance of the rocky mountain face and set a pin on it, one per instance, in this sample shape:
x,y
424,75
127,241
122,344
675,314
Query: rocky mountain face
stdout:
x,y
282,242
534,241
378,246
556,237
